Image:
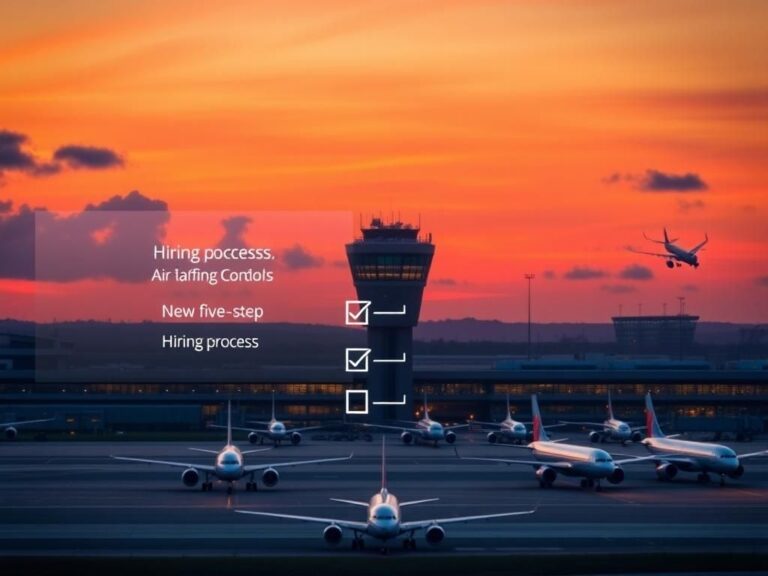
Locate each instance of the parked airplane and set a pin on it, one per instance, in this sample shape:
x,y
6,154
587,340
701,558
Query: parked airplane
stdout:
x,y
553,457
10,427
509,429
690,456
674,255
426,429
611,429
276,431
229,466
384,520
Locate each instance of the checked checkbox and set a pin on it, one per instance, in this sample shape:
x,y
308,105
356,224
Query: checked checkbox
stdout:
x,y
356,312
356,359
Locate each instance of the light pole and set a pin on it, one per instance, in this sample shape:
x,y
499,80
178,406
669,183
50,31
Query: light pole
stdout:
x,y
529,277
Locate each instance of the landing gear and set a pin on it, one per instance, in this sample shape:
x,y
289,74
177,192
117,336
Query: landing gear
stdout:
x,y
598,486
358,543
229,489
588,483
409,543
722,479
207,486
543,484
703,478
251,486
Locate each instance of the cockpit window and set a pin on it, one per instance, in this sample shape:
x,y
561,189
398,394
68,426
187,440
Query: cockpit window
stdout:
x,y
730,456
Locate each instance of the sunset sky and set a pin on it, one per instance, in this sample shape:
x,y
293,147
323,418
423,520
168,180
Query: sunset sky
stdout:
x,y
539,137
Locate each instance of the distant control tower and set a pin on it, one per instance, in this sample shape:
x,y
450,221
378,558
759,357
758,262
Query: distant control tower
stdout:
x,y
390,265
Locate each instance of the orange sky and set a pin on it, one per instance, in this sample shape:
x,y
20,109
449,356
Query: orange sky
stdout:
x,y
496,121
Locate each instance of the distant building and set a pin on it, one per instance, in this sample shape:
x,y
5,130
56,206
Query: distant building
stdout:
x,y
669,335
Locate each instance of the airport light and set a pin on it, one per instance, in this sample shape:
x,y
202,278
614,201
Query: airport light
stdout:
x,y
529,277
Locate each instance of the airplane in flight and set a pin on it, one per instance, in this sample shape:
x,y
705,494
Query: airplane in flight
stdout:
x,y
276,431
673,455
10,427
611,428
229,465
675,256
509,429
384,520
552,457
424,430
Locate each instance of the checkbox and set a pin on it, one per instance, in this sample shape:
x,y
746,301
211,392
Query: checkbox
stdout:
x,y
357,359
356,312
364,394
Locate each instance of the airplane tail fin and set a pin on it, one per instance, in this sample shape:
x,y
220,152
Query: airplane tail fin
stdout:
x,y
229,422
509,414
609,406
383,462
426,410
666,236
539,433
273,404
653,430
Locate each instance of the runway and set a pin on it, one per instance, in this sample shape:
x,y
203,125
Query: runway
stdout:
x,y
72,499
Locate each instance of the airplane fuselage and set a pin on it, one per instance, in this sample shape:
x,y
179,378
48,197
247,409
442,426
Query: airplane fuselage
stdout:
x,y
229,464
383,516
696,456
617,430
681,254
430,430
513,430
585,462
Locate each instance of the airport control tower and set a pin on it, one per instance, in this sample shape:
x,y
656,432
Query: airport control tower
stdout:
x,y
390,265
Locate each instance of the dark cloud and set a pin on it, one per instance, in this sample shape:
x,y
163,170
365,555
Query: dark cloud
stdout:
x,y
618,288
5,206
112,239
584,273
689,288
12,157
762,281
298,258
235,228
549,274
89,157
686,206
657,181
636,272
444,282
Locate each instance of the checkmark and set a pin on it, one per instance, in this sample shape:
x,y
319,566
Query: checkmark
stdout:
x,y
357,359
357,312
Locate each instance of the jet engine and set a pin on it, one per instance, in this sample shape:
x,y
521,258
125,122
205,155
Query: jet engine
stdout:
x,y
434,535
738,472
11,433
253,438
546,475
637,436
295,438
406,437
190,477
270,477
450,437
594,437
666,471
617,476
492,437
332,534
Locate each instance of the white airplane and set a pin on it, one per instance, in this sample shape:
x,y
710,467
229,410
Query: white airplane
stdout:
x,y
384,520
276,431
426,429
611,429
674,255
702,457
229,466
553,457
509,429
10,427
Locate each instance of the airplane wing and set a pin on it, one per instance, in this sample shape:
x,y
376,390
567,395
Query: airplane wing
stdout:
x,y
414,502
633,459
421,524
353,502
238,428
455,426
585,424
494,424
636,251
167,463
304,429
255,467
752,455
700,246
20,422
361,526
204,450
556,465
398,428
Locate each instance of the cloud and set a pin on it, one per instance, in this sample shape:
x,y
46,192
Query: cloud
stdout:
x,y
444,282
584,273
618,288
298,258
235,228
762,281
689,288
549,274
5,206
112,239
657,181
636,272
686,206
12,157
89,157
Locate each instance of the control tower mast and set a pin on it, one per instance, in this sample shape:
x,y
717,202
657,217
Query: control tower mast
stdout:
x,y
390,265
